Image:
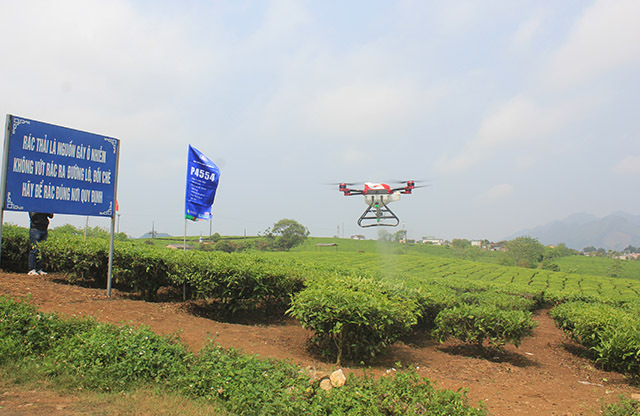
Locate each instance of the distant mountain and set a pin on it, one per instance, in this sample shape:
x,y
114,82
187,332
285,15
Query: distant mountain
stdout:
x,y
148,235
635,219
579,219
615,231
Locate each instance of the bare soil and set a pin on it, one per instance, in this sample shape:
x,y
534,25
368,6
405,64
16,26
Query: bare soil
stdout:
x,y
546,375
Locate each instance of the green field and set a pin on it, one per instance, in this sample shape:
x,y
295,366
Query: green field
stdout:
x,y
601,266
358,297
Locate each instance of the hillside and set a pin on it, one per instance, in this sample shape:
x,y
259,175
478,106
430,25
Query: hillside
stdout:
x,y
613,232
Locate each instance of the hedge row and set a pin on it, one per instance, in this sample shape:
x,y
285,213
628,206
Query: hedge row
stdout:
x,y
356,317
85,353
610,333
234,280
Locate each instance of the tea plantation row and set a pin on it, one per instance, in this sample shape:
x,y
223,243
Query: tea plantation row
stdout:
x,y
357,304
600,313
354,315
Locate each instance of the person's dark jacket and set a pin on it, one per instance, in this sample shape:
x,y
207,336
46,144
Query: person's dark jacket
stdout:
x,y
40,220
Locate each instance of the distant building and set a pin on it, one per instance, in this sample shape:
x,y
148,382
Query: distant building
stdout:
x,y
476,243
497,247
179,246
358,237
432,240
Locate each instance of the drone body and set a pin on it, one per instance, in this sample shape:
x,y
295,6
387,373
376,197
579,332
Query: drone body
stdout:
x,y
377,196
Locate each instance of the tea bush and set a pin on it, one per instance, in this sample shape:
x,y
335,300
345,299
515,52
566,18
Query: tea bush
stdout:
x,y
611,334
142,269
81,260
15,248
354,317
477,323
239,281
432,298
500,300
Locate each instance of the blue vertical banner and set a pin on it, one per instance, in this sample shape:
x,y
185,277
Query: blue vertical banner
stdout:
x,y
50,168
202,182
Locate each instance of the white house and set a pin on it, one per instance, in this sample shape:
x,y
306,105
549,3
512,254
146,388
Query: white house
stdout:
x,y
434,241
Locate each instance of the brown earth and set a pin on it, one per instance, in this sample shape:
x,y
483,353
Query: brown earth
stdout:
x,y
546,375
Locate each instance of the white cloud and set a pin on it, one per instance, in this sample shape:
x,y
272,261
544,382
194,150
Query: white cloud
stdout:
x,y
283,19
457,16
512,122
361,110
353,156
525,33
628,165
100,60
605,38
463,162
360,96
518,123
496,193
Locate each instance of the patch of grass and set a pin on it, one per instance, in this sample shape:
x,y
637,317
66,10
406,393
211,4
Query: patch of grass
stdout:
x,y
20,388
625,406
156,375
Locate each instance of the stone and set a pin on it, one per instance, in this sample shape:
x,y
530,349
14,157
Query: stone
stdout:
x,y
326,384
338,378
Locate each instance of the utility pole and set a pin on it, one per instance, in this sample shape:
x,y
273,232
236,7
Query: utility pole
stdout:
x,y
404,228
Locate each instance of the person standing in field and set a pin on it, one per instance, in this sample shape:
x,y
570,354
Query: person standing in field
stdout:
x,y
38,231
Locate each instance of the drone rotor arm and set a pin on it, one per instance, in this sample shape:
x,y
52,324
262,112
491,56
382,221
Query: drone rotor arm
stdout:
x,y
351,192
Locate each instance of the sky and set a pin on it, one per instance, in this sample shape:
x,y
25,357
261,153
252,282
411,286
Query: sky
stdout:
x,y
514,112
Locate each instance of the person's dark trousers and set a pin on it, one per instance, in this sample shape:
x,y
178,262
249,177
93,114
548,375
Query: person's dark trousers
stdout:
x,y
35,236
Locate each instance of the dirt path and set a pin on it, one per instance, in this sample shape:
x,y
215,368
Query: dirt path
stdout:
x,y
544,376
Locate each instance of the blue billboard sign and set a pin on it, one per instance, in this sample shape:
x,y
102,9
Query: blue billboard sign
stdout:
x,y
56,169
202,182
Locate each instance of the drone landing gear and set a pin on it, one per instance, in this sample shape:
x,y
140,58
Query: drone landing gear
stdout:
x,y
380,214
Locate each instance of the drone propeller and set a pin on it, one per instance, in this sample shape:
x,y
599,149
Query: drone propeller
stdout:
x,y
344,183
411,180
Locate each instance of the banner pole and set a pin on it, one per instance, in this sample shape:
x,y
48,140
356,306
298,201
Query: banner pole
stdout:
x,y
3,184
110,270
184,250
113,224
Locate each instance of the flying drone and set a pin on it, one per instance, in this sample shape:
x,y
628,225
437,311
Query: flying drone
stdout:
x,y
377,196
